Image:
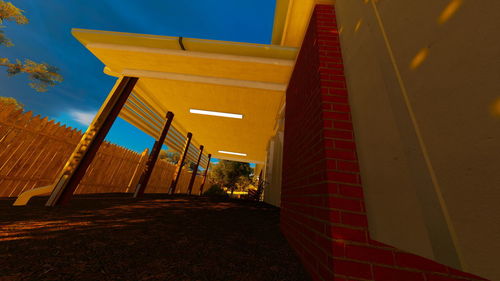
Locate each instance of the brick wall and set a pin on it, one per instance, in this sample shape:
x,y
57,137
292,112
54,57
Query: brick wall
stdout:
x,y
322,210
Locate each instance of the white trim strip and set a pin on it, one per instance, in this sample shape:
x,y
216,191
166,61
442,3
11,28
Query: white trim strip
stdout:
x,y
233,153
216,113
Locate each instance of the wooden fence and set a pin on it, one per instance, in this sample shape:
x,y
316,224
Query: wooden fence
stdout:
x,y
33,150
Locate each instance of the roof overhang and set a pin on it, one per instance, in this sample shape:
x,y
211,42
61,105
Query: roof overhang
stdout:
x,y
291,19
241,78
178,74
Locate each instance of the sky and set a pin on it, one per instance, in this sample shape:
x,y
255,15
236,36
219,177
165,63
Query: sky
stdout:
x,y
74,102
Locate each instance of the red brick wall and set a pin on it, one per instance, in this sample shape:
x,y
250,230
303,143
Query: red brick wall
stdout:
x,y
322,210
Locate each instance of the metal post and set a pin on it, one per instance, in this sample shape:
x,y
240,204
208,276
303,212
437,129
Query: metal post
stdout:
x,y
180,164
85,151
153,157
205,174
195,171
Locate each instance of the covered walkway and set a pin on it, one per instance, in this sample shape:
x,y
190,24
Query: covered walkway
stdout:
x,y
159,237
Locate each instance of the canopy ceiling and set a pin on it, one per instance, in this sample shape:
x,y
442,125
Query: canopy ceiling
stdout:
x,y
178,74
246,79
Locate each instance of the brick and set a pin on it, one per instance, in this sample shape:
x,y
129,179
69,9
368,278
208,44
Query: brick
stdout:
x,y
341,108
351,191
348,166
340,154
329,48
339,248
332,188
325,243
333,84
348,234
352,269
339,92
344,144
341,125
344,204
336,134
327,215
464,274
327,123
331,164
369,254
392,274
434,277
331,71
354,219
376,243
336,99
337,116
326,273
416,262
343,177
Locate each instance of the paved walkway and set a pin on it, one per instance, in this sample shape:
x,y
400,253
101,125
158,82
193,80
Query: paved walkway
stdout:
x,y
113,237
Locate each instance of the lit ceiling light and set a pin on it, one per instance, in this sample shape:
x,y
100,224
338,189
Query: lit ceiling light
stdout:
x,y
215,113
233,153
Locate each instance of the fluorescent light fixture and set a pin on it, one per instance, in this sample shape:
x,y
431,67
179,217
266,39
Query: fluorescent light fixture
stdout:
x,y
233,153
215,113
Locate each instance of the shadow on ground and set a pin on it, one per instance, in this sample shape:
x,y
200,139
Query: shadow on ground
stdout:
x,y
113,237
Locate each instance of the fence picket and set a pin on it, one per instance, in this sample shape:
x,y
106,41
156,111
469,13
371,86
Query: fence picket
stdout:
x,y
33,150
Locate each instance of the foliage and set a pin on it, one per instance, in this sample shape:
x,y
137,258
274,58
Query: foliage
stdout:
x,y
9,100
42,75
243,183
231,174
4,40
170,156
191,165
9,12
215,191
173,157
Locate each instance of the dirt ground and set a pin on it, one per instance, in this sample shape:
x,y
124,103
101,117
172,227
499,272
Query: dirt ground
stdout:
x,y
160,237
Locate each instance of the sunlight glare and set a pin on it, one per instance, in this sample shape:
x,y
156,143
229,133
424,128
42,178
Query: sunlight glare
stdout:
x,y
449,11
419,58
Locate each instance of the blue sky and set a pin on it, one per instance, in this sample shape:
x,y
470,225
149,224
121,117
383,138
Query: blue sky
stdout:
x,y
47,38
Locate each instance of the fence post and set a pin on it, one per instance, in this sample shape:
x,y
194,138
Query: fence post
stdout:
x,y
195,171
153,157
205,174
85,151
180,163
138,170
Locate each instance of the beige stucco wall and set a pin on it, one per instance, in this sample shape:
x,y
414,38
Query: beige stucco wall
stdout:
x,y
428,142
274,162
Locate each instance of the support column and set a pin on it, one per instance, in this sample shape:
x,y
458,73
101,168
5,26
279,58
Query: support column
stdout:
x,y
85,151
180,164
153,157
205,174
195,171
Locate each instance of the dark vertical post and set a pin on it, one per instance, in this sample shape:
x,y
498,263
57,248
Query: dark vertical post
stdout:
x,y
153,157
85,151
195,171
205,174
180,164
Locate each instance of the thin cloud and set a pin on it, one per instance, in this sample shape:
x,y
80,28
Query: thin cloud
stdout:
x,y
82,117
